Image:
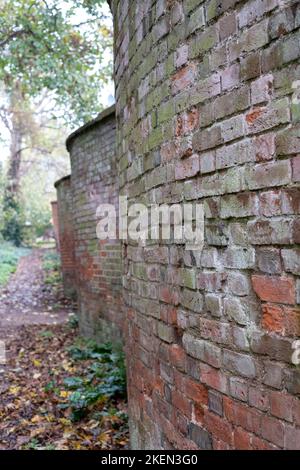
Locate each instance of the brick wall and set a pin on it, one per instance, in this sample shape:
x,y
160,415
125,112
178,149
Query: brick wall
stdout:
x,y
54,211
66,235
206,111
98,263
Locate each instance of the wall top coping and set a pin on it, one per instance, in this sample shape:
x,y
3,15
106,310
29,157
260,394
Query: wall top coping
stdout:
x,y
94,122
64,178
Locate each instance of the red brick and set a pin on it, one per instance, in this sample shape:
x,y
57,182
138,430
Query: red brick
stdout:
x,y
261,444
188,167
296,411
259,398
274,289
218,427
242,439
296,168
183,78
241,415
196,392
180,401
292,321
187,122
273,318
213,378
282,405
264,147
169,295
272,430
178,357
292,438
270,203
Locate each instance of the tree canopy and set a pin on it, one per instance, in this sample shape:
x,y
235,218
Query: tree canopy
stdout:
x,y
59,46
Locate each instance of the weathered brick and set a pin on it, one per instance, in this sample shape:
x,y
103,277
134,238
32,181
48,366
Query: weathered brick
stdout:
x,y
240,205
272,430
238,389
220,428
262,89
239,258
255,9
200,436
274,289
240,338
232,102
236,310
203,350
268,174
264,147
228,26
233,128
264,118
213,304
282,23
241,415
207,162
296,169
292,438
238,283
288,141
275,348
249,40
230,76
268,232
215,402
203,42
270,203
208,138
235,154
259,398
272,318
241,364
273,374
187,167
183,78
281,405
181,55
214,378
250,66
192,300
196,20
291,260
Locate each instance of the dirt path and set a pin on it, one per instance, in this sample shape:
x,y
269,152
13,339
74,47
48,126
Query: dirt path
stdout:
x,y
35,334
26,300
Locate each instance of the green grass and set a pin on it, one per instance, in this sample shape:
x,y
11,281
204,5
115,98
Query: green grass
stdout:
x,y
9,258
51,266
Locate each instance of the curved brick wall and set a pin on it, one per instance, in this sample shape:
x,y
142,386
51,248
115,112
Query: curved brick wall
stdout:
x,y
66,235
54,212
98,263
206,112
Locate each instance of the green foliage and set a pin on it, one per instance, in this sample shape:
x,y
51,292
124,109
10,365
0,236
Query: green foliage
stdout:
x,y
51,261
58,46
9,257
73,321
51,266
13,219
105,378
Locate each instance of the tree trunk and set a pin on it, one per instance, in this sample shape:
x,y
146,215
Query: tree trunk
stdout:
x,y
13,175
